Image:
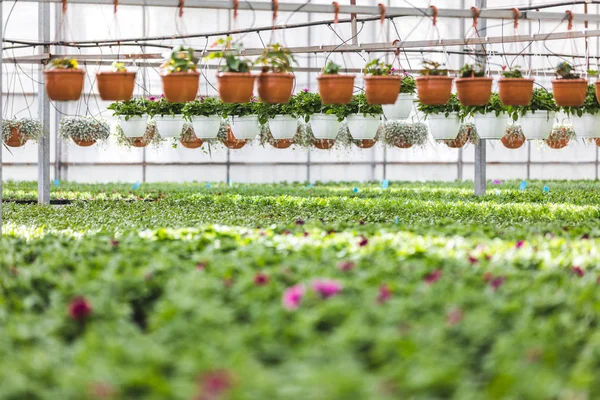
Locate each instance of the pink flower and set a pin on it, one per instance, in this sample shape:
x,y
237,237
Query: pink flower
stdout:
x,y
363,241
162,96
346,265
306,90
384,294
433,276
213,383
292,297
473,260
497,282
578,271
80,308
326,287
261,279
152,98
496,182
519,244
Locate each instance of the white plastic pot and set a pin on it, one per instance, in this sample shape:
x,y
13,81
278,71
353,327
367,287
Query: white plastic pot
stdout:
x,y
442,127
362,127
324,126
489,126
206,127
134,126
245,127
283,127
169,126
401,109
537,126
586,126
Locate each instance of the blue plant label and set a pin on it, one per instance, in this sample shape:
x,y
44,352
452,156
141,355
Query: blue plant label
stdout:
x,y
136,185
208,185
56,182
523,185
497,192
396,220
546,189
230,183
385,184
355,190
310,186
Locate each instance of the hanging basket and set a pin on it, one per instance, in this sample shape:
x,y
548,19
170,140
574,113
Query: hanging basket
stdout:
x,y
169,126
558,139
586,126
569,92
206,127
274,87
474,91
515,91
336,89
232,142
191,142
139,141
597,84
115,86
382,89
365,143
537,126
84,143
64,84
362,127
180,87
324,144
442,127
514,137
459,142
283,127
402,143
281,143
401,109
489,126
324,126
434,90
134,127
246,127
16,139
235,87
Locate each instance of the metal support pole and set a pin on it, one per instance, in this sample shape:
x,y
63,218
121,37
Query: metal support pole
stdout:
x,y
44,111
1,95
144,84
480,148
353,24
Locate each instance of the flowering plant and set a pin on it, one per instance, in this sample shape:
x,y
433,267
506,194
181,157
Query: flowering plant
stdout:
x,y
409,85
163,107
266,111
240,109
180,59
118,66
206,106
513,72
565,70
231,53
308,103
84,128
28,128
453,106
413,133
331,69
63,63
378,68
472,71
360,105
130,108
276,58
432,68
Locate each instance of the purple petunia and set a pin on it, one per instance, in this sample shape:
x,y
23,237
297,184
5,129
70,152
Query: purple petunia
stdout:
x,y
326,287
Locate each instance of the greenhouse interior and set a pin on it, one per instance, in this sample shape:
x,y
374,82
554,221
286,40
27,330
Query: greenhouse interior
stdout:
x,y
283,199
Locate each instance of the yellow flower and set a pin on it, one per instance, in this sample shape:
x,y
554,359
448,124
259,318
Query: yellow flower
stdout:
x,y
178,69
74,63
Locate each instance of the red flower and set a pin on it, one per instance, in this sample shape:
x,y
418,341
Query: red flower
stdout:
x,y
299,222
80,308
261,279
363,241
473,260
578,271
114,243
384,294
520,244
346,265
213,383
433,276
497,282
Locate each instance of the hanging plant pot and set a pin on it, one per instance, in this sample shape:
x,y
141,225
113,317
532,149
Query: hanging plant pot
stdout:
x,y
586,126
515,91
64,84
537,126
560,137
324,144
139,141
324,126
434,90
569,92
401,109
362,127
489,126
597,141
281,143
84,143
382,89
474,91
442,127
283,127
134,127
232,142
336,89
403,144
459,142
191,142
16,139
180,87
206,127
514,138
246,127
235,87
169,126
597,84
365,143
115,86
274,87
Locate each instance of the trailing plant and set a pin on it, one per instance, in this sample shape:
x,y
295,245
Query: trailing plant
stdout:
x,y
591,105
162,107
205,107
331,69
432,68
378,68
561,132
409,85
136,107
266,111
151,135
276,58
231,54
266,138
514,134
360,105
85,128
29,128
308,103
63,63
494,106
180,59
513,72
453,106
413,133
565,70
541,100
472,71
240,109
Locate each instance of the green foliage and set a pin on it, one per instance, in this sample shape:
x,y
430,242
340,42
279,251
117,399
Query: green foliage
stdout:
x,y
472,71
453,106
590,106
180,59
162,107
266,111
566,71
308,103
360,105
513,72
276,58
378,68
414,133
63,63
30,129
409,85
84,128
240,109
331,69
135,107
541,100
206,107
432,68
231,53
494,106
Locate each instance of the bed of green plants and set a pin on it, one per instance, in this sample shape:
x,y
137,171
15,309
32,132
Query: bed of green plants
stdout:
x,y
323,291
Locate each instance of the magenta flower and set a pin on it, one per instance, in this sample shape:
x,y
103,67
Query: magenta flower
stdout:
x,y
363,241
578,271
306,90
114,243
497,182
327,287
497,282
80,308
384,294
519,244
346,265
300,222
162,96
292,297
585,236
433,276
306,234
152,98
213,383
261,279
473,260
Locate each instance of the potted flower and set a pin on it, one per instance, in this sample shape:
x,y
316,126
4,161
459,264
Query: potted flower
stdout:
x,y
167,115
443,119
560,136
473,87
586,119
235,83
205,117
243,119
132,116
363,118
180,80
84,131
434,86
569,89
64,79
513,88
335,88
490,120
276,81
17,131
281,118
324,121
382,85
405,134
403,106
513,138
117,84
538,117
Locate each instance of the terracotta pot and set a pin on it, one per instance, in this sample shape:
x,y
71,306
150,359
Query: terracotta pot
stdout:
x,y
514,141
235,87
459,142
336,89
515,91
191,143
557,141
180,87
233,143
275,87
403,144
84,143
598,91
115,86
365,143
382,89
15,139
474,91
324,144
64,84
597,140
569,92
139,141
281,143
434,90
